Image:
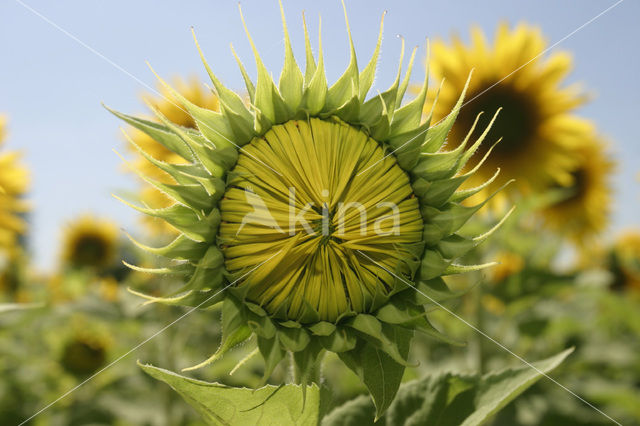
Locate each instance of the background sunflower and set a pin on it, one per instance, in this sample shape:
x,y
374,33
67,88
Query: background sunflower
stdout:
x,y
624,260
534,124
585,205
14,182
89,242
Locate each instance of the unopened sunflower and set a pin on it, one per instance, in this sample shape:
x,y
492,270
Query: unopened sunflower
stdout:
x,y
195,91
14,181
534,127
322,219
583,212
90,243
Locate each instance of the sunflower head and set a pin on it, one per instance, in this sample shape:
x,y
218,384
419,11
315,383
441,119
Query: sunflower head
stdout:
x,y
534,127
90,243
583,211
14,181
320,218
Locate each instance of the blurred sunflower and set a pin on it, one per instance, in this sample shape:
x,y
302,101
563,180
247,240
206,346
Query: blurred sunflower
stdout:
x,y
85,349
165,102
584,211
90,243
534,123
625,260
13,274
509,264
14,180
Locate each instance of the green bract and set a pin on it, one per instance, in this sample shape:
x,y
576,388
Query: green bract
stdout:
x,y
372,339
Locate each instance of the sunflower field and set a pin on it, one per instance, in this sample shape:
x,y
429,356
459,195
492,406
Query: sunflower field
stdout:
x,y
444,234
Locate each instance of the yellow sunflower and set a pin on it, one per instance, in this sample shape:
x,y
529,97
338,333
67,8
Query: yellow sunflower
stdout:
x,y
509,264
14,180
90,243
584,211
13,263
625,261
533,122
197,93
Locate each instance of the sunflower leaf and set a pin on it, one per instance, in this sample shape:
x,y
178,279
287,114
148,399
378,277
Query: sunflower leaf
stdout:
x,y
220,404
377,370
448,398
272,354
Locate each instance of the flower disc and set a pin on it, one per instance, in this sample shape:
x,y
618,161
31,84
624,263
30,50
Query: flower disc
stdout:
x,y
325,214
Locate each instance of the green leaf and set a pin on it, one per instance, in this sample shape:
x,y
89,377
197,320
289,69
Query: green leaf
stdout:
x,y
377,370
358,411
223,405
272,354
495,390
449,399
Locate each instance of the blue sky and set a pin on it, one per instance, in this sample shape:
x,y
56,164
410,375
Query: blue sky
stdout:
x,y
51,85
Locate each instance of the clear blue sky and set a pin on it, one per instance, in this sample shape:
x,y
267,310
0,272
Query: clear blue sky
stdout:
x,y
51,86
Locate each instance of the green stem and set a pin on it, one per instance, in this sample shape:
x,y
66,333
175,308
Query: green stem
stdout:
x,y
480,339
169,359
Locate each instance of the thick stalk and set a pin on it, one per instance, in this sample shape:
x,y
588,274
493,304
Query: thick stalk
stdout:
x,y
480,345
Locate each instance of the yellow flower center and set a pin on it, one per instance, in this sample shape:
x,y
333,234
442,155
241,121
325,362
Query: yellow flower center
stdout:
x,y
314,217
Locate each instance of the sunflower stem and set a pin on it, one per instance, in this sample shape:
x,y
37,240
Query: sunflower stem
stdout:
x,y
479,320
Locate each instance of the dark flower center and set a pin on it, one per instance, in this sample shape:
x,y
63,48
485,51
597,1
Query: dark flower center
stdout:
x,y
90,250
82,359
578,188
515,124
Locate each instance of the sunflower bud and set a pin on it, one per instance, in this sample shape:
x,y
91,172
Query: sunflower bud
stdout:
x,y
320,218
